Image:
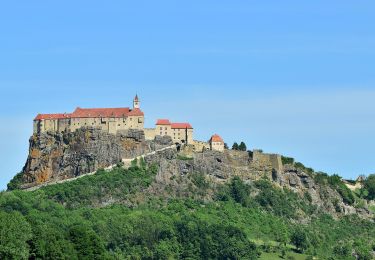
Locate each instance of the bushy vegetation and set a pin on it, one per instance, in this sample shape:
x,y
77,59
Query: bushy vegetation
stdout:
x,y
78,220
240,147
369,187
16,182
287,160
336,183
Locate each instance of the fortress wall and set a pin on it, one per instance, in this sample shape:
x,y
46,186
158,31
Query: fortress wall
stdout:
x,y
273,160
150,133
200,146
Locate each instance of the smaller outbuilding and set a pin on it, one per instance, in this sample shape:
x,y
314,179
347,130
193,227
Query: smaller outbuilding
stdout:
x,y
216,143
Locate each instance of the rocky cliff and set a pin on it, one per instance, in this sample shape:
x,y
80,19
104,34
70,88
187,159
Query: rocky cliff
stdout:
x,y
59,156
176,172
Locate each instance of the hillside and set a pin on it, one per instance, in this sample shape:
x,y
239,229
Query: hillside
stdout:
x,y
175,204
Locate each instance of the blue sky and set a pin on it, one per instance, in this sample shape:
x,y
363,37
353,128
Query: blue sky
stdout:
x,y
295,77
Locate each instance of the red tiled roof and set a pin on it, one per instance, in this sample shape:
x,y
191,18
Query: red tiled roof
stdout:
x,y
163,122
106,112
52,116
136,112
93,112
181,126
216,138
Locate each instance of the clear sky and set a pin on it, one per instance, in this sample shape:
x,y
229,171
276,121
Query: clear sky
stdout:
x,y
290,77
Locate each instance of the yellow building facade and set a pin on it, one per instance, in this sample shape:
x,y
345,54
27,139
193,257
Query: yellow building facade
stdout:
x,y
108,119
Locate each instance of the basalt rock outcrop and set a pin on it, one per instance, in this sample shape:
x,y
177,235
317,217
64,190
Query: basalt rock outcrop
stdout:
x,y
58,156
218,168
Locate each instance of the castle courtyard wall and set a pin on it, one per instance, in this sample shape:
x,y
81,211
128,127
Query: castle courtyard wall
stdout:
x,y
150,133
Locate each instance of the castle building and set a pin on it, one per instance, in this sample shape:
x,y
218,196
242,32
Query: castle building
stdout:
x,y
180,132
216,143
112,120
108,119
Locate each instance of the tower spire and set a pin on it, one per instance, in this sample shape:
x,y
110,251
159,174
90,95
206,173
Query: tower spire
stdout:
x,y
136,102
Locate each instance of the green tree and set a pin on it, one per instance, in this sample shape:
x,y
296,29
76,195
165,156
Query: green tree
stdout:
x,y
299,239
242,147
369,185
16,182
239,191
15,232
87,243
235,146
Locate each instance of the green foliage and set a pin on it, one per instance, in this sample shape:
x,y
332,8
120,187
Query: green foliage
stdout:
x,y
369,186
336,183
281,202
134,163
14,235
184,158
235,146
300,240
92,190
304,168
287,160
87,243
74,220
16,182
242,147
237,191
200,181
343,251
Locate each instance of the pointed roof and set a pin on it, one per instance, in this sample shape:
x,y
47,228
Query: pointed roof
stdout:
x,y
136,98
216,138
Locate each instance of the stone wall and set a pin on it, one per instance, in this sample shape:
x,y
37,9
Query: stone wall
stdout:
x,y
150,133
110,125
273,160
200,146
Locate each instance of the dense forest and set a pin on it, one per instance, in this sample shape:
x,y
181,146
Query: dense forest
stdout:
x,y
110,215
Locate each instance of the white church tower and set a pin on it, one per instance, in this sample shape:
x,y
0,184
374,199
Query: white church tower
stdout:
x,y
136,102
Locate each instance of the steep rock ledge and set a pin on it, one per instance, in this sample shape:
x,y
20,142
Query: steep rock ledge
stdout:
x,y
59,156
219,168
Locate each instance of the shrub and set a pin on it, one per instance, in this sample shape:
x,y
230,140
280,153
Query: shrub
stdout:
x,y
300,240
16,182
369,185
184,158
287,160
242,147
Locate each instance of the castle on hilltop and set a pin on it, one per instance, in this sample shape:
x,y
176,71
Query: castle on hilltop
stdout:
x,y
108,119
113,120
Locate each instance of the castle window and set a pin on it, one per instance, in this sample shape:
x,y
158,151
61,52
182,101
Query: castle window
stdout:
x,y
165,132
165,128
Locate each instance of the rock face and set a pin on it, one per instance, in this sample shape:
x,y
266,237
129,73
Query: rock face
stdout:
x,y
219,168
59,156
